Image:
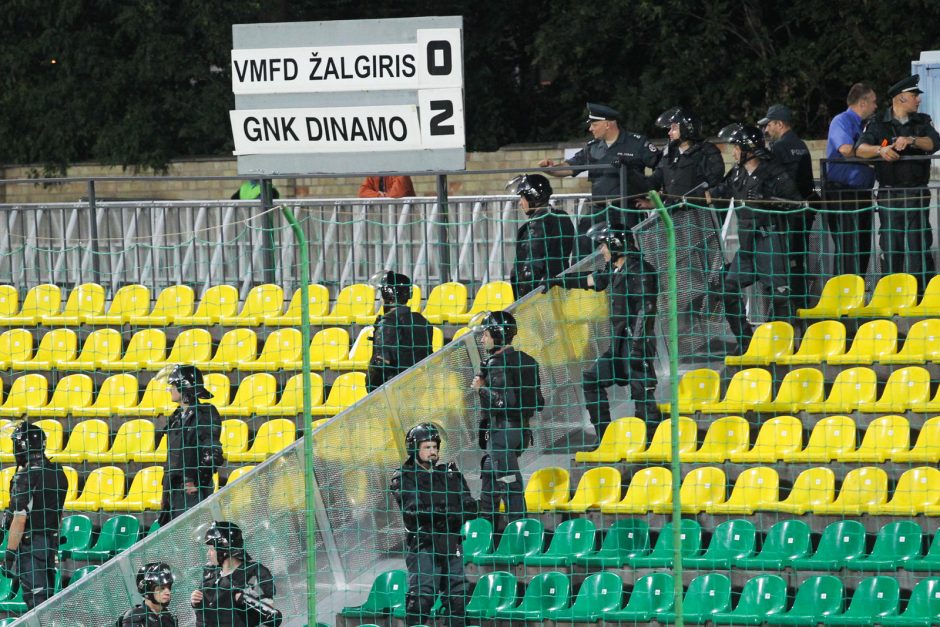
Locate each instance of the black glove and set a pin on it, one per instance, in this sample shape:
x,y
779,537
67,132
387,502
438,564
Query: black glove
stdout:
x,y
9,563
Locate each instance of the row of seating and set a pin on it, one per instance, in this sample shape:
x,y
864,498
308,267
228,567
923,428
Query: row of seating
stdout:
x,y
118,396
264,305
11,595
894,295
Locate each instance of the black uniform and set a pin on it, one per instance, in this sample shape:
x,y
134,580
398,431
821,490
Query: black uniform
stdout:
x,y
792,153
38,491
143,616
222,602
434,503
903,198
194,451
543,246
401,339
680,172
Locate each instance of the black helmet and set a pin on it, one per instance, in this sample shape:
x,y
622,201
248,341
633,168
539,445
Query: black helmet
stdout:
x,y
29,442
420,433
535,188
395,288
690,127
616,237
500,324
748,137
226,538
188,380
152,576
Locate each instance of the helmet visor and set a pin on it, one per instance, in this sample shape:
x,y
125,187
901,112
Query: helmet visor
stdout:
x,y
599,232
668,117
731,134
379,279
518,185
163,376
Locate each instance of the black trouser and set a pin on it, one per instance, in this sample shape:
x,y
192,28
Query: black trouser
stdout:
x,y
176,500
602,374
849,219
905,235
430,571
502,479
35,560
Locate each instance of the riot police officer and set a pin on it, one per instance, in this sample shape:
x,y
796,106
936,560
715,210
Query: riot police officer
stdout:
x,y
545,239
235,591
434,501
155,584
510,392
194,449
762,188
402,337
37,498
632,289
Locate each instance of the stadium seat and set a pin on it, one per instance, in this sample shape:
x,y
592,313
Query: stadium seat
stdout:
x,y
190,347
571,539
883,437
546,592
817,597
156,401
477,537
41,300
923,606
598,487
174,301
102,483
146,347
354,302
754,489
852,387
255,394
651,596
145,493
929,304
347,389
725,436
318,302
15,345
6,477
599,593
445,300
873,598
746,389
660,448
386,595
88,436
56,346
798,388
761,597
132,438
832,436
706,596
493,592
238,473
625,539
31,390
236,346
492,296
216,302
730,541
696,388
930,562
260,302
872,342
75,533
74,390
291,402
840,295
701,487
916,492
118,533
273,436
895,543
841,541
219,388
157,456
771,341
281,346
100,346
55,435
926,449
819,342
623,436
234,437
360,354
130,300
521,538
9,301
437,339
71,477
84,299
813,487
904,388
459,333
777,437
663,552
327,347
648,487
81,573
892,293
862,489
921,345
785,541
547,487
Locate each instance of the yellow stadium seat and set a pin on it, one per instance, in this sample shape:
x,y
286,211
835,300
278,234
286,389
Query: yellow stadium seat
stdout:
x,y
156,401
102,483
130,300
71,476
41,300
820,341
145,493
318,301
158,455
173,301
85,299
347,389
660,447
360,354
598,487
273,436
929,304
238,473
9,301
459,333
15,345
31,390
862,489
883,437
754,489
88,436
798,388
840,295
291,402
921,345
777,437
414,304
445,300
771,341
927,447
282,346
146,347
832,436
133,438
904,388
354,301
190,347
852,387
437,339
6,478
236,346
872,342
234,437
813,487
892,293
219,388
217,301
100,346
119,390
262,300
696,388
6,440
74,390
493,296
623,437
256,393
327,347
700,488
649,487
917,490
56,346
725,436
746,389
55,435
547,488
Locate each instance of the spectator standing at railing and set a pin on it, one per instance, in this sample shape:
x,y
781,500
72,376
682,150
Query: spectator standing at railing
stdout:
x,y
848,186
386,187
903,197
251,190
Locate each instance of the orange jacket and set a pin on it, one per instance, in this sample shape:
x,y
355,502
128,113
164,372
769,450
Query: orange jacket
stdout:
x,y
394,186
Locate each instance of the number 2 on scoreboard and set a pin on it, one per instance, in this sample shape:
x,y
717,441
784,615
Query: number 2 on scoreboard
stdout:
x,y
441,114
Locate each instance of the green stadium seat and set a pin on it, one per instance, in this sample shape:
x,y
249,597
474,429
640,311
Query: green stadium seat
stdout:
x,y
520,539
771,341
706,596
130,300
82,572
599,593
725,436
820,341
75,534
872,341
652,595
731,540
663,551
8,621
892,293
923,607
625,436
598,487
873,598
117,534
649,487
930,562
14,603
798,388
813,487
895,543
841,542
624,539
841,294
493,592
761,597
571,539
477,538
784,542
546,592
386,595
817,597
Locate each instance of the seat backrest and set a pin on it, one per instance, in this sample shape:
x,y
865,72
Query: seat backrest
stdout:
x,y
690,538
6,478
16,344
234,436
887,434
89,435
907,385
87,298
779,435
547,487
293,393
175,300
361,349
823,339
106,482
626,536
446,298
898,540
598,486
357,299
156,395
864,486
130,300
787,539
75,532
133,436
492,296
751,384
755,486
57,345
841,539
331,344
727,434
929,436
733,538
122,531
894,290
493,592
599,593
347,389
82,572
653,593
771,340
146,345
818,596
661,442
843,292
256,391
264,300
54,434
521,537
707,594
282,345
101,345
71,478
803,385
218,386
763,595
238,473
698,386
703,486
813,486
388,590
237,345
275,435
874,597
9,301
573,537
477,536
74,390
318,301
833,434
874,338
853,386
30,390
218,300
923,338
918,487
148,482
924,603
546,591
650,485
192,345
41,300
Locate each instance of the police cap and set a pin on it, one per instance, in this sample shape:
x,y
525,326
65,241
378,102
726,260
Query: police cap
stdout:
x,y
598,112
777,112
907,84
